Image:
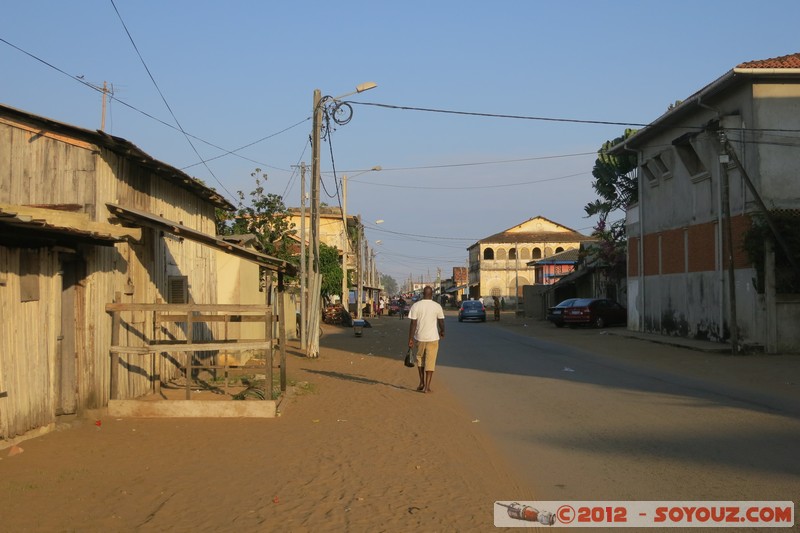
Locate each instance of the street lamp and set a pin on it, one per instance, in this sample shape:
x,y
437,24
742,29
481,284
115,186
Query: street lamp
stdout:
x,y
341,113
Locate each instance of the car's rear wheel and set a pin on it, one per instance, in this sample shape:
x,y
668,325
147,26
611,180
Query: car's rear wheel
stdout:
x,y
599,322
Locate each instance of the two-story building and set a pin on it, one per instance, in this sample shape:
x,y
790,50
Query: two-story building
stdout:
x,y
498,264
708,168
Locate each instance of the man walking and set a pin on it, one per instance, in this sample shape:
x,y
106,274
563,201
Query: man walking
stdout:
x,y
426,328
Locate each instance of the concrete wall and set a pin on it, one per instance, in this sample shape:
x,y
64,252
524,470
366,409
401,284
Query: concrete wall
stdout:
x,y
677,267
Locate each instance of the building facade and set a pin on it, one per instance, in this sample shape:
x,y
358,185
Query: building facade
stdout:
x,y
688,271
498,264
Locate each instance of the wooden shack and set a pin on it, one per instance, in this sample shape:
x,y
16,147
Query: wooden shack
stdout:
x,y
66,252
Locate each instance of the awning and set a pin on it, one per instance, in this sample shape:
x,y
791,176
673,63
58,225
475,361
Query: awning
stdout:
x,y
58,224
143,218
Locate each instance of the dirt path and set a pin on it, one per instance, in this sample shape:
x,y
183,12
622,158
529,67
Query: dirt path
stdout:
x,y
356,449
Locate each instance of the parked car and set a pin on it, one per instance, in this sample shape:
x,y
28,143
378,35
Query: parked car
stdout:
x,y
394,307
599,312
556,314
471,310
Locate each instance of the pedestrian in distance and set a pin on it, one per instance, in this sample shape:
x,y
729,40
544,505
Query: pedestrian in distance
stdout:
x,y
496,302
401,305
424,333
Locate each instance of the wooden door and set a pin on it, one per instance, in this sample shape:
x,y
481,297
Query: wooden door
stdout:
x,y
69,340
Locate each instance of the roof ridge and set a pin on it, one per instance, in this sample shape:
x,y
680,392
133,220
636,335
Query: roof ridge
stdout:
x,y
785,61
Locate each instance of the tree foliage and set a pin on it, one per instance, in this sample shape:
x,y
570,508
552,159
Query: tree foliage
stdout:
x,y
263,215
330,267
754,244
389,284
616,188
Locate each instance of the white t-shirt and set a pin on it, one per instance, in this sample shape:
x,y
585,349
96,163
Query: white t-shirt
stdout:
x,y
426,313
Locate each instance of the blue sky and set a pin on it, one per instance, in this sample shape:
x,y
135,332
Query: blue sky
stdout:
x,y
234,72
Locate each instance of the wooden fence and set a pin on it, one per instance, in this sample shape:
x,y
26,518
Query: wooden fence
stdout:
x,y
191,314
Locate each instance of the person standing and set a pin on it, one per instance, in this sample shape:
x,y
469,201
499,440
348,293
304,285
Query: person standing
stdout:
x,y
496,305
401,308
425,330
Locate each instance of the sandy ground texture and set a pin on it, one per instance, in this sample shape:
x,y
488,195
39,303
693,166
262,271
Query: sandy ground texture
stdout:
x,y
356,448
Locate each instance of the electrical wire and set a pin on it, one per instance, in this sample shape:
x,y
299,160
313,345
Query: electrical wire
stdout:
x,y
164,99
290,183
112,97
248,145
474,164
460,188
375,228
550,119
497,115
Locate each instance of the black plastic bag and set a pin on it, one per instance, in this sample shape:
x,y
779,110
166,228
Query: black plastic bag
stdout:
x,y
411,360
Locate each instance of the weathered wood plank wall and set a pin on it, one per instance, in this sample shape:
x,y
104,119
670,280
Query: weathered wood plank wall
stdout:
x,y
41,168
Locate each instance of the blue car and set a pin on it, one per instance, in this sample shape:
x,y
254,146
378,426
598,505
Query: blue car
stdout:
x,y
471,310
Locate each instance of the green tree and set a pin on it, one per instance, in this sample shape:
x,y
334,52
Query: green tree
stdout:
x,y
389,284
264,216
330,267
616,188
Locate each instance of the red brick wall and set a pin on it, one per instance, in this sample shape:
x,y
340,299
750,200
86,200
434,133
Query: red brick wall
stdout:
x,y
672,252
739,225
650,254
701,249
702,255
633,256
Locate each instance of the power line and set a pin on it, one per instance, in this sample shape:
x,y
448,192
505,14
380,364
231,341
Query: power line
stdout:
x,y
375,228
497,162
497,115
164,99
142,112
290,182
459,188
248,145
551,119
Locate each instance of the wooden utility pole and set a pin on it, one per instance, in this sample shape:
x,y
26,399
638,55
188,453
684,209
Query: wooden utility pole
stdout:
x,y
360,272
727,233
314,281
303,273
345,245
103,114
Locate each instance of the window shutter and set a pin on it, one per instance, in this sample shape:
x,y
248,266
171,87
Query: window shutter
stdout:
x,y
178,289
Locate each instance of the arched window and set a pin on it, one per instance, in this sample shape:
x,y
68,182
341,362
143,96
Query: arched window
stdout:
x,y
524,253
559,250
488,253
537,253
501,254
512,253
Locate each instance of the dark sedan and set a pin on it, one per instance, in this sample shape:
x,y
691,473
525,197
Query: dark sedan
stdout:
x,y
471,310
598,312
556,314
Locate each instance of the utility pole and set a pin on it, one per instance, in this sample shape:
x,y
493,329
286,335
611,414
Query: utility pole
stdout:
x,y
728,236
345,245
516,278
303,273
315,281
103,115
359,277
